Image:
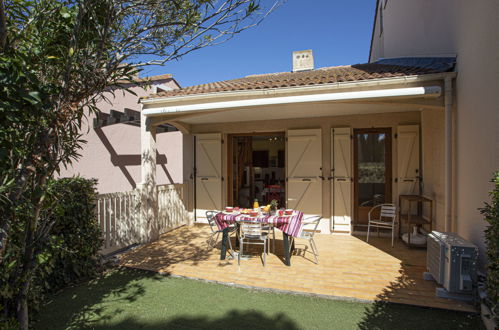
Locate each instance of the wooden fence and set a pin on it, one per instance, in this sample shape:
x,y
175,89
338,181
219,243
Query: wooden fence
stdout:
x,y
118,215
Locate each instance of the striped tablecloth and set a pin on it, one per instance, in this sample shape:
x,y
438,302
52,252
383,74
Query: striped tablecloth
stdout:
x,y
291,225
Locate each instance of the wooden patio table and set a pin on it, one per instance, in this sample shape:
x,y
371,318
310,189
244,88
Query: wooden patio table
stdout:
x,y
290,225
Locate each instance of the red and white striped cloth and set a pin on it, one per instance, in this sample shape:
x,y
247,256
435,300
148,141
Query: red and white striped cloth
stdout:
x,y
289,224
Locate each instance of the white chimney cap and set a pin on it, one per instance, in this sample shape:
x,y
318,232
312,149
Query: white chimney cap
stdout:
x,y
303,60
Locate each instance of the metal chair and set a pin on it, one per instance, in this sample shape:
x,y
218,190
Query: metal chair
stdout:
x,y
308,234
252,233
386,220
210,216
270,230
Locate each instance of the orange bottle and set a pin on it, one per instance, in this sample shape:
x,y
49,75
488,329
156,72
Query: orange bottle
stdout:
x,y
255,205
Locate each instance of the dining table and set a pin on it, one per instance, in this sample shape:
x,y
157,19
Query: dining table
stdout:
x,y
291,226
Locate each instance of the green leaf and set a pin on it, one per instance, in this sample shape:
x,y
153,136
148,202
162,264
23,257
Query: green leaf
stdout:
x,y
11,264
35,95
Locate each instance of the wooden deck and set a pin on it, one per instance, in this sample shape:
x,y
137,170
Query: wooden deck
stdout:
x,y
348,267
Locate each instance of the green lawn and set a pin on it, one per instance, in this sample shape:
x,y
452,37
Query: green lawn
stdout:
x,y
129,299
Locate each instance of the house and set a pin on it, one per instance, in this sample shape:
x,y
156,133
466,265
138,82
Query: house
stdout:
x,y
420,118
112,151
334,140
466,30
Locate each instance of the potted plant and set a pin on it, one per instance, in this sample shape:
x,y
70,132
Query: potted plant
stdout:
x,y
273,206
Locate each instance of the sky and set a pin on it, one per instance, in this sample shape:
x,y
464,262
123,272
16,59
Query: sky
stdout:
x,y
338,32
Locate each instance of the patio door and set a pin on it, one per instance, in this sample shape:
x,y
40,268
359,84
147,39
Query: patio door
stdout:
x,y
304,170
341,179
208,173
372,171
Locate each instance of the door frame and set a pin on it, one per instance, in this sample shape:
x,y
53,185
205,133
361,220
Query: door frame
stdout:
x,y
388,168
230,154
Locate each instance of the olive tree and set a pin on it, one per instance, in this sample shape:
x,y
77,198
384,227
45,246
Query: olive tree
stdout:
x,y
57,58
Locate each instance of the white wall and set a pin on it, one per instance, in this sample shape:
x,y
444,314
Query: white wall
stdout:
x,y
415,28
432,159
477,112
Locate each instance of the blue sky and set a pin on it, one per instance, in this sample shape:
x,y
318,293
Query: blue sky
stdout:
x,y
338,32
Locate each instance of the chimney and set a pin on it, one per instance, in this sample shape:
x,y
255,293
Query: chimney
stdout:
x,y
303,60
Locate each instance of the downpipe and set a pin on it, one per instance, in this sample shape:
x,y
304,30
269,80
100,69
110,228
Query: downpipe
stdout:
x,y
448,153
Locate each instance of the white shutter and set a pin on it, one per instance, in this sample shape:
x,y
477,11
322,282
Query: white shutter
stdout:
x,y
304,170
408,160
341,183
208,173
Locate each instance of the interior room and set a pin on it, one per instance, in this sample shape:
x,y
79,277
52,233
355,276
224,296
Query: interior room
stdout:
x,y
258,169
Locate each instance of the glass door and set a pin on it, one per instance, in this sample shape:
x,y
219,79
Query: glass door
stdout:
x,y
372,172
256,169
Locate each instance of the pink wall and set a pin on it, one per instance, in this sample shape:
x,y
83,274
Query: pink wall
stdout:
x,y
112,153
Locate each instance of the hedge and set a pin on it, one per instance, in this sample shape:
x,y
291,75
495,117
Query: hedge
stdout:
x,y
491,214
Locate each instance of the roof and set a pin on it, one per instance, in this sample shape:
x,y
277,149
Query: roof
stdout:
x,y
138,80
154,78
327,75
441,64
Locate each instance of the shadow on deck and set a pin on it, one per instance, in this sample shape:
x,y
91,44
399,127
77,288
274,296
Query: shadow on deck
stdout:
x,y
348,267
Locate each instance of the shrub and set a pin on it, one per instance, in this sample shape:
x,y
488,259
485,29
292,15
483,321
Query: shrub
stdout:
x,y
75,238
491,214
68,255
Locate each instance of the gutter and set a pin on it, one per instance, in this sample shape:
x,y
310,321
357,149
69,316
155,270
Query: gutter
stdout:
x,y
448,154
202,97
411,92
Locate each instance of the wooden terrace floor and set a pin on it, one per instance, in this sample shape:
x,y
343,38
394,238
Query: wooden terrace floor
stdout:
x,y
348,267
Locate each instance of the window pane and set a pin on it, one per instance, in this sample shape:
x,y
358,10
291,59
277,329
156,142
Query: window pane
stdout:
x,y
371,168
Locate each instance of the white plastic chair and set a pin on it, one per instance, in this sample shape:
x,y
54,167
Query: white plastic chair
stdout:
x,y
386,219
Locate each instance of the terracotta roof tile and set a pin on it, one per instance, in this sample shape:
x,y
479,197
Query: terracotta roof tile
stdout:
x,y
320,76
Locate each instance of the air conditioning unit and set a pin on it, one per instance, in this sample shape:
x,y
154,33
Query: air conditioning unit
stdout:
x,y
451,261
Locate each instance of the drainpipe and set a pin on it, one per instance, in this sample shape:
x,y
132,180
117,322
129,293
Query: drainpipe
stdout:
x,y
448,153
194,171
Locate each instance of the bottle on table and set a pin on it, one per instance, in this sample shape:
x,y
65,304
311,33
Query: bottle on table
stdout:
x,y
256,206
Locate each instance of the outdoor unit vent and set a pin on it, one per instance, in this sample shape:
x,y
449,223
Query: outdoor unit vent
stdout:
x,y
303,60
451,261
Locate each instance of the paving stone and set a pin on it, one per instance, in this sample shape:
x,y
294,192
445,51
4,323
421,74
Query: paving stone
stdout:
x,y
348,267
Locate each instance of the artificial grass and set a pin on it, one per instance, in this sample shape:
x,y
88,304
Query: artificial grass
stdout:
x,y
133,299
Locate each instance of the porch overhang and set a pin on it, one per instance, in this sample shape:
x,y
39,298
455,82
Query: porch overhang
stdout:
x,y
369,95
373,96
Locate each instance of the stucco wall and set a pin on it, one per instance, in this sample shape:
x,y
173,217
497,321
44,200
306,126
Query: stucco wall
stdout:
x,y
433,162
477,112
467,29
377,39
415,28
391,120
112,153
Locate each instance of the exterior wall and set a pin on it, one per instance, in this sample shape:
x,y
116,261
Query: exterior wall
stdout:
x,y
391,120
477,119
415,28
467,29
112,153
377,38
433,162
